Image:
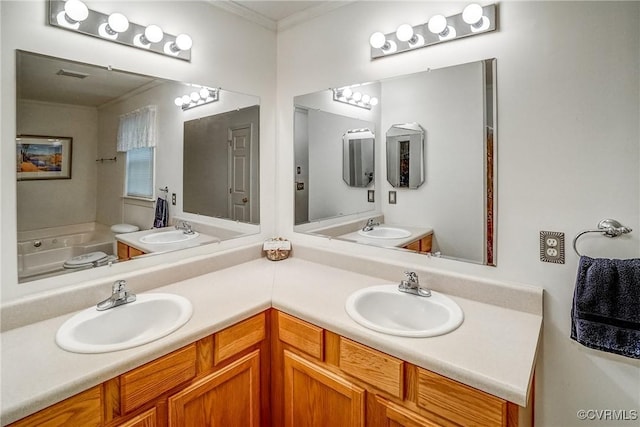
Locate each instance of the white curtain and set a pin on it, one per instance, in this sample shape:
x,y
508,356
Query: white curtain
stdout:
x,y
137,129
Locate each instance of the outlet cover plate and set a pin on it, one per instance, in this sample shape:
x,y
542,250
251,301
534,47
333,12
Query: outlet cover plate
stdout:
x,y
552,247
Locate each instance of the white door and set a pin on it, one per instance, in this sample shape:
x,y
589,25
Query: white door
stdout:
x,y
239,173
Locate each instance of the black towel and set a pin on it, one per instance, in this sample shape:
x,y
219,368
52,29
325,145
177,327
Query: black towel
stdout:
x,y
606,305
162,213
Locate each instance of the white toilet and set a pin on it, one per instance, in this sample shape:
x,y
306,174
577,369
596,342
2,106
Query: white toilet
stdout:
x,y
121,229
90,260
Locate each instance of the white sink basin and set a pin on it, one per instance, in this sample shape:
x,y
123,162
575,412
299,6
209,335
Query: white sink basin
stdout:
x,y
172,236
150,317
382,232
385,309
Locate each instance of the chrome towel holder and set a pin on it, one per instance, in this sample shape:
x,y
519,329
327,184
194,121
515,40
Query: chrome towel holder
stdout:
x,y
607,227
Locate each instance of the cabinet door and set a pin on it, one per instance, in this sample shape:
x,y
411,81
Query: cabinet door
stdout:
x,y
316,397
146,419
226,398
389,414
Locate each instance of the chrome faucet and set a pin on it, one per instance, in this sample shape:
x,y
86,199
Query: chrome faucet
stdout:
x,y
185,227
370,224
119,296
411,285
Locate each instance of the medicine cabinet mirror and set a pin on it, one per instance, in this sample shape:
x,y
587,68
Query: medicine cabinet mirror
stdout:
x,y
63,98
437,155
358,163
405,155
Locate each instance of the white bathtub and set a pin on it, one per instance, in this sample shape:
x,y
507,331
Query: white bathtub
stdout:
x,y
44,256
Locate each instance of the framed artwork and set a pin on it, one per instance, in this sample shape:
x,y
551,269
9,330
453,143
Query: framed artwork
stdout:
x,y
43,157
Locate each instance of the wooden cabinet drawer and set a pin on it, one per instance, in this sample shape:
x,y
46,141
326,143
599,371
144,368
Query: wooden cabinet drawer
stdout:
x,y
378,369
143,384
459,403
394,415
83,409
301,335
146,419
236,338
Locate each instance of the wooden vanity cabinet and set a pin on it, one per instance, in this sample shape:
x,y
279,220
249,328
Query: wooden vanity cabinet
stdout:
x,y
318,374
126,252
423,245
220,380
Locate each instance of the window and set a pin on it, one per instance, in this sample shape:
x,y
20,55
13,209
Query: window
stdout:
x,y
139,175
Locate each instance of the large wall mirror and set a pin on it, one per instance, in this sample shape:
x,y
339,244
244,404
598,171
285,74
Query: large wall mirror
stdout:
x,y
200,173
436,145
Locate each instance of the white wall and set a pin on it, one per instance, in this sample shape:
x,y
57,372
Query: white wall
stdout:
x,y
228,52
568,154
447,103
57,202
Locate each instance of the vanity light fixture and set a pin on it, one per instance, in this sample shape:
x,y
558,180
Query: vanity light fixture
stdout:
x,y
74,15
200,96
346,95
474,19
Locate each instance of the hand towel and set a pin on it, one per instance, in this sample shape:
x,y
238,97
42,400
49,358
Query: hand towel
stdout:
x,y
161,218
606,305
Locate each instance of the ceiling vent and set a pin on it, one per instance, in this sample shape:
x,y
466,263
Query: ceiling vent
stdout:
x,y
69,73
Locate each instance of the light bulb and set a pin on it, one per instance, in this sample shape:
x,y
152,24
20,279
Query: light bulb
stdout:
x,y
153,33
374,101
184,42
195,96
366,99
347,92
437,24
118,22
404,33
178,101
76,10
186,99
357,96
204,93
472,14
377,40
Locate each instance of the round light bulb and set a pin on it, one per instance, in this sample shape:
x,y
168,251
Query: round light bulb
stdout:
x,y
404,32
186,99
118,22
178,101
204,93
184,42
153,33
374,101
377,40
347,92
437,24
195,96
472,14
76,10
357,96
366,99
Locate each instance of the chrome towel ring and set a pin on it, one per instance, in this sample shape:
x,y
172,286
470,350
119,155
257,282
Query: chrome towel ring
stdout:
x,y
607,227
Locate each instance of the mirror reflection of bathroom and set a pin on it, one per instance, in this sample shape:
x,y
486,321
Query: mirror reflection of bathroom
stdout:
x,y
437,155
405,155
100,165
358,157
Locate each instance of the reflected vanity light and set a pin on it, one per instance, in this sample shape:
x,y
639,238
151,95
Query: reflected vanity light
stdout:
x,y
474,19
346,95
74,15
199,96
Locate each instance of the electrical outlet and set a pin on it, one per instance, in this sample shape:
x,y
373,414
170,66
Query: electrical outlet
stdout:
x,y
552,247
173,199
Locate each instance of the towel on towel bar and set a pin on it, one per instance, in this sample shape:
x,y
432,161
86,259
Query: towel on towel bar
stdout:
x,y
161,218
606,305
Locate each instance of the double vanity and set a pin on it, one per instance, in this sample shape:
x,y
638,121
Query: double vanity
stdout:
x,y
265,329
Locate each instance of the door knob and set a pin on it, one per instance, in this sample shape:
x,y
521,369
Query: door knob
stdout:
x,y
245,200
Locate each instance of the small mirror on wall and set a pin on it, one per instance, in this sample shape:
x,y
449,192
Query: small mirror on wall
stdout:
x,y
405,155
358,157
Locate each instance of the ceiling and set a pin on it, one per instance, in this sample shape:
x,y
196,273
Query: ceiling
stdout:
x,y
278,10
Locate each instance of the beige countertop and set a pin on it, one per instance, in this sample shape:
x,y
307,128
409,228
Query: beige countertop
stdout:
x,y
416,234
493,350
133,240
